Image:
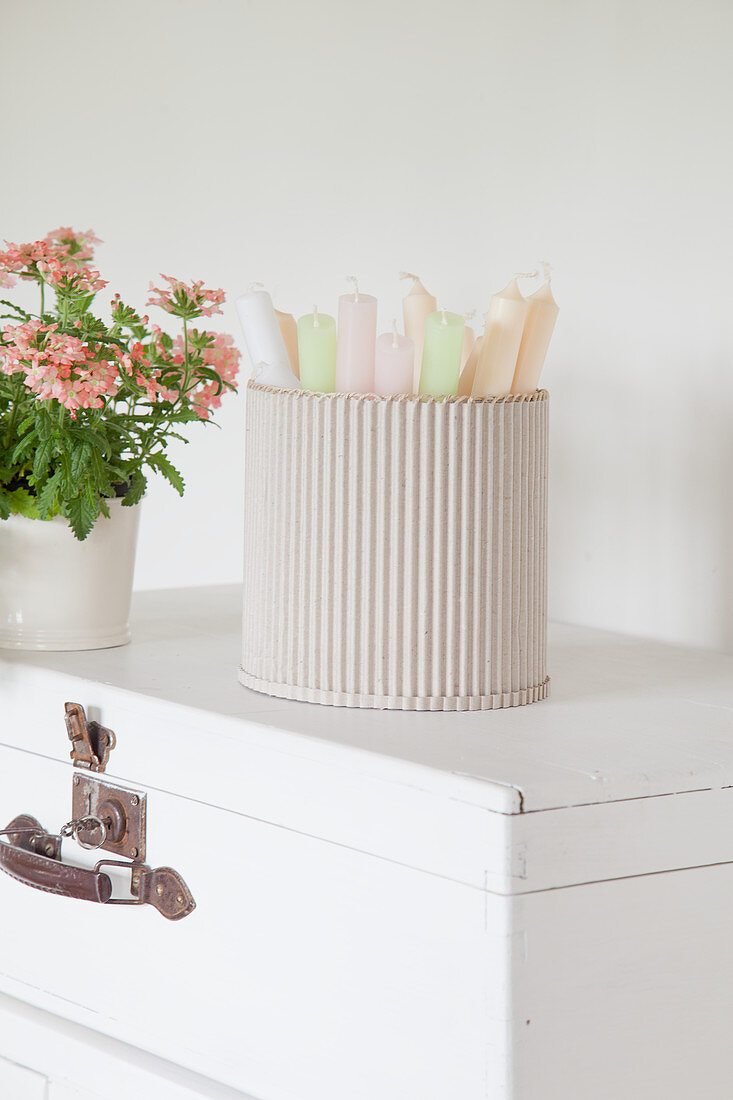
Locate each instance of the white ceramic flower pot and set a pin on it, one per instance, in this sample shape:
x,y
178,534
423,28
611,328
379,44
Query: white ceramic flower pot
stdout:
x,y
61,594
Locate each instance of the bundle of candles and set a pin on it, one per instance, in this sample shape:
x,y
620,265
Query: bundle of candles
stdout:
x,y
438,354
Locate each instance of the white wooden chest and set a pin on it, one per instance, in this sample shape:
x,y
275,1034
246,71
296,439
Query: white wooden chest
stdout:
x,y
528,904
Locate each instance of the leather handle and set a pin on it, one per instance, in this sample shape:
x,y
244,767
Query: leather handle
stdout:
x,y
20,859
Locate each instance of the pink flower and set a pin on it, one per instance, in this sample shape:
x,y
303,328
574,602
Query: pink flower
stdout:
x,y
139,368
186,300
223,356
23,259
77,244
56,366
67,277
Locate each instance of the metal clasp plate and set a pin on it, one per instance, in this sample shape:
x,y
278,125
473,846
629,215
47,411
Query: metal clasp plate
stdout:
x,y
91,743
122,812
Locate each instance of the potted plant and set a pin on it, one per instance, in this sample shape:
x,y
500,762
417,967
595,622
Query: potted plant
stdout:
x,y
88,407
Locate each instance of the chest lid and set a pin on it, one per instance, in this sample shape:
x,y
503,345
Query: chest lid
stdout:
x,y
627,769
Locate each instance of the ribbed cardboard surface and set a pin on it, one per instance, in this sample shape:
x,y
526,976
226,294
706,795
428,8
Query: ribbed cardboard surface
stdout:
x,y
395,549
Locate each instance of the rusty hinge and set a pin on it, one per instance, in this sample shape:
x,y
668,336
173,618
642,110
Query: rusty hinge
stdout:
x,y
91,743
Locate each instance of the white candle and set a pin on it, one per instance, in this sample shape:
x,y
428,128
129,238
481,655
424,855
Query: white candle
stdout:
x,y
416,308
357,336
393,363
264,340
502,337
542,311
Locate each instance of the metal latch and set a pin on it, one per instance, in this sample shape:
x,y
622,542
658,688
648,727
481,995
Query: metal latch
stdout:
x,y
91,743
104,816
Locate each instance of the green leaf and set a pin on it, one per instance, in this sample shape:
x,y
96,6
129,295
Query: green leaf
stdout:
x,y
47,495
42,457
44,425
80,460
21,448
168,470
23,503
135,493
82,512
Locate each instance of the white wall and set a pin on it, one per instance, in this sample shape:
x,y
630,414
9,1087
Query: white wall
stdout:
x,y
297,143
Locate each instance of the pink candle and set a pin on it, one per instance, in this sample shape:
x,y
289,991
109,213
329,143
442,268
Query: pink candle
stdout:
x,y
394,363
357,335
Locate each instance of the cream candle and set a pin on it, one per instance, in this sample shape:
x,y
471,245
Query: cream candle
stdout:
x,y
289,333
502,337
469,339
317,351
441,357
416,308
357,336
465,382
394,362
264,340
542,311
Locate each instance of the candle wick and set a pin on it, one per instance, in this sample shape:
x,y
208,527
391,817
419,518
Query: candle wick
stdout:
x,y
316,322
546,269
525,274
255,286
353,279
395,341
409,275
468,316
444,319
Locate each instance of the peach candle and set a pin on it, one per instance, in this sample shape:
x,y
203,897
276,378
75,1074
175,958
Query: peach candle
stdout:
x,y
502,337
416,308
289,332
542,311
465,382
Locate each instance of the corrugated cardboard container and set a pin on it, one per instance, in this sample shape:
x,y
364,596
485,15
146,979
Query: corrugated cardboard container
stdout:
x,y
395,549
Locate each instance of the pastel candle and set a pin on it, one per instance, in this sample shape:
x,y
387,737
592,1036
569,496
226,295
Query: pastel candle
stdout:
x,y
317,351
465,382
542,311
502,337
289,333
394,363
416,308
357,337
441,357
264,340
279,376
469,339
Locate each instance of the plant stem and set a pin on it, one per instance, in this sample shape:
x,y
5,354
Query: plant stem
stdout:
x,y
42,292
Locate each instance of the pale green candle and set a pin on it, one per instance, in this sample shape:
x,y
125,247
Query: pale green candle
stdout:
x,y
441,354
317,352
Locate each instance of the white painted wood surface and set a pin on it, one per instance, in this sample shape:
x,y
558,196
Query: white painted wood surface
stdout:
x,y
308,970
17,1082
627,718
384,900
76,1063
628,990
